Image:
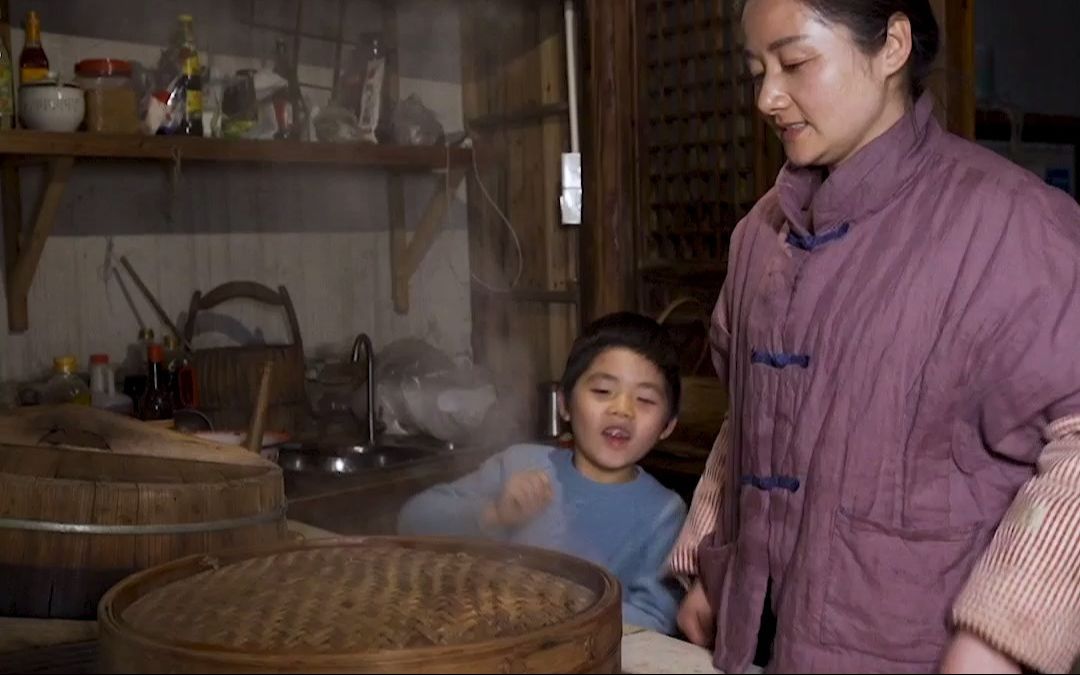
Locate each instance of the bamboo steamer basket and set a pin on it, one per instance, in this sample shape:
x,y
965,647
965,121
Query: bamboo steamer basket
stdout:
x,y
704,397
88,497
366,605
228,377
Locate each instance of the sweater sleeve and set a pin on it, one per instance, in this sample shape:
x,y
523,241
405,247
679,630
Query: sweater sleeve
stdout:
x,y
454,509
704,510
1023,597
651,598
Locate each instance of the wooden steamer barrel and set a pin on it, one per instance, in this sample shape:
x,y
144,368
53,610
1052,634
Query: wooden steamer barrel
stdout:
x,y
88,497
366,605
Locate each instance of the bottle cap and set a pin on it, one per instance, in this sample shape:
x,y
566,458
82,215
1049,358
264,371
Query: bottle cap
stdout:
x,y
65,364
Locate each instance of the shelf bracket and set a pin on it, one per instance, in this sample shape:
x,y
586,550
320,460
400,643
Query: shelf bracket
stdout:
x,y
22,263
407,254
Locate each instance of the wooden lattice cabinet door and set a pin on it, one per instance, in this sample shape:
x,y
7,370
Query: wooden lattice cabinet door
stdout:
x,y
702,153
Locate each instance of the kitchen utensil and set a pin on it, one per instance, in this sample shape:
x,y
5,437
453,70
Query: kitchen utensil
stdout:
x,y
162,314
258,417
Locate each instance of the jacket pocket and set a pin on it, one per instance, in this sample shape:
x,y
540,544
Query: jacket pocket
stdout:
x,y
713,563
735,598
889,589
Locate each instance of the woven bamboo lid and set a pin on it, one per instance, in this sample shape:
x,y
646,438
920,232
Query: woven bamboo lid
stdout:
x,y
367,598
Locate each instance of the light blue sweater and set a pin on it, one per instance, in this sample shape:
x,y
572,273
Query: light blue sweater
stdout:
x,y
629,528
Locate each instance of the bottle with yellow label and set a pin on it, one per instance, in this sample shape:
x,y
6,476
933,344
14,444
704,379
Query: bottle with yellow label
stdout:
x,y
33,63
192,124
65,386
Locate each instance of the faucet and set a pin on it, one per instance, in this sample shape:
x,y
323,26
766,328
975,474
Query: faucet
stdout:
x,y
362,340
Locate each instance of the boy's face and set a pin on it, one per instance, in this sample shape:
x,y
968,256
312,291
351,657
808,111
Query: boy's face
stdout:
x,y
618,410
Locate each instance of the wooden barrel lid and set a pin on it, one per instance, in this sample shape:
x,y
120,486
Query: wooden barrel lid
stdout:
x,y
370,598
62,463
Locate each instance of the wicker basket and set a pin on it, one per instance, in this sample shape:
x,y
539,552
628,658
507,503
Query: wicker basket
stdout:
x,y
705,398
227,378
379,604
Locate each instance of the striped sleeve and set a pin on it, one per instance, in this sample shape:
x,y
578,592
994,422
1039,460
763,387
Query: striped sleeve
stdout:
x,y
1023,597
704,509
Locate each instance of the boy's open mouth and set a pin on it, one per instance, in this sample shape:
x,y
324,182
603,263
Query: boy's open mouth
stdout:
x,y
616,435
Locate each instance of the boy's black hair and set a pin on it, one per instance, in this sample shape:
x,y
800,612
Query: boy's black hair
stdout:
x,y
635,332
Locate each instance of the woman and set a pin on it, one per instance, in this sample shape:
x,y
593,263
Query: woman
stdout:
x,y
900,334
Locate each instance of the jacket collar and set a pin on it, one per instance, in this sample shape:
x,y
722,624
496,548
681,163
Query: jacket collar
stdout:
x,y
865,182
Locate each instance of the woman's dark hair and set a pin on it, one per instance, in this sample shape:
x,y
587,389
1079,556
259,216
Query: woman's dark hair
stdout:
x,y
633,331
868,21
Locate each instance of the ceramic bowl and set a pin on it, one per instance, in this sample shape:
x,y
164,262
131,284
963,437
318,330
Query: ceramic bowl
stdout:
x,y
51,107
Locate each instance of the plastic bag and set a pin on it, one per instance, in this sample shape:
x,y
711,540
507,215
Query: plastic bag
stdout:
x,y
420,390
416,124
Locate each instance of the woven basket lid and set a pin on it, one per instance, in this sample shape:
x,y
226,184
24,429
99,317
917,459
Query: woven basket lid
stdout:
x,y
367,595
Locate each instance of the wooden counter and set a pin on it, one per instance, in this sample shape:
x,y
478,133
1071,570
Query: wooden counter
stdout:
x,y
55,646
71,647
368,502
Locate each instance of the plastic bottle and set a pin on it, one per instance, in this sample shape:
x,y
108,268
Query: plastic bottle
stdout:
x,y
65,386
103,392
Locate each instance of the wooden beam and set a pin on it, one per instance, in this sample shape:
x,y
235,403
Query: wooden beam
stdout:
x,y
395,196
953,82
11,195
960,59
22,274
408,256
607,235
10,186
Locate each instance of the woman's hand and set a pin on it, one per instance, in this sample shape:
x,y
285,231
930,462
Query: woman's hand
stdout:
x,y
696,618
967,653
524,496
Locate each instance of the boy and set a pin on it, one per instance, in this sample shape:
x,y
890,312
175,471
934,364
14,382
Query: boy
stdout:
x,y
620,392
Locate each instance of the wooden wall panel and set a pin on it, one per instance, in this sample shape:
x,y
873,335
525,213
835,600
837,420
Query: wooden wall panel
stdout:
x,y
608,233
514,79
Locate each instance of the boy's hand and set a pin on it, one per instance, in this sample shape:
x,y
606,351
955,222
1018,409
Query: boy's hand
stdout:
x,y
523,497
696,618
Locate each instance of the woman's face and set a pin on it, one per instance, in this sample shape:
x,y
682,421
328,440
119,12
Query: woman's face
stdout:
x,y
822,93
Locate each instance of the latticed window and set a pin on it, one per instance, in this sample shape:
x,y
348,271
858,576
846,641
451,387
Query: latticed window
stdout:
x,y
701,147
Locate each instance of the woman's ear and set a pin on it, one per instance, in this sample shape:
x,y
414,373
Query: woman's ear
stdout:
x,y
564,411
897,49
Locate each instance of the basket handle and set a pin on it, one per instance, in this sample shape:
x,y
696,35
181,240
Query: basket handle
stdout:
x,y
670,309
233,290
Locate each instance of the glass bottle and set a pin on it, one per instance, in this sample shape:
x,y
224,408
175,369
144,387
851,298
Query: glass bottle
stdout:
x,y
33,63
156,403
192,124
7,89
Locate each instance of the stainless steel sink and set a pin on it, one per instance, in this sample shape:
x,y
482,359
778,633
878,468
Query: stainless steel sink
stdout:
x,y
354,458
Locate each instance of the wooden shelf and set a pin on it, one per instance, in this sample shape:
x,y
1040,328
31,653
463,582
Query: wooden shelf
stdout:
x,y
110,146
61,150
